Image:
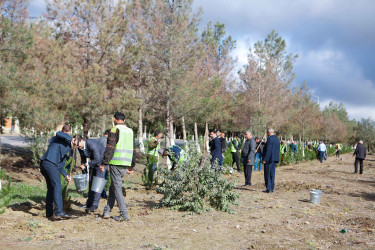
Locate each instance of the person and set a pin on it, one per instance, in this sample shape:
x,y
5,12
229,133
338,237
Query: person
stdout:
x,y
175,154
93,149
120,155
338,147
223,142
322,149
152,153
258,155
282,151
51,166
248,156
293,147
360,156
271,154
234,148
215,149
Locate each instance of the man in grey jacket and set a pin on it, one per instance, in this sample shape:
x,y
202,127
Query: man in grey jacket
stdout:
x,y
248,156
360,156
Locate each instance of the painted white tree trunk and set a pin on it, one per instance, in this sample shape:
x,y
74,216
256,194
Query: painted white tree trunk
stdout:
x,y
140,132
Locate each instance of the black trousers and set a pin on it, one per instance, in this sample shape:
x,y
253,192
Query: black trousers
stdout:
x,y
93,197
236,160
360,165
248,169
338,154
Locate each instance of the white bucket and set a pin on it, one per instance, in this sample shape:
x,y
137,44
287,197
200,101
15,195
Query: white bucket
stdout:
x,y
98,184
315,195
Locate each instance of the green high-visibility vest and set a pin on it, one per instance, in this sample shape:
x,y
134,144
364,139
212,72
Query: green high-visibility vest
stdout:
x,y
173,156
282,149
339,146
124,148
154,151
232,147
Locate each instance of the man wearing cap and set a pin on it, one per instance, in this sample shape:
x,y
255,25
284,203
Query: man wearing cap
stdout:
x,y
175,154
119,154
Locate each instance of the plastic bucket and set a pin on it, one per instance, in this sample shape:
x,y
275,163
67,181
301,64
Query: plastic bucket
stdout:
x,y
98,184
315,195
80,180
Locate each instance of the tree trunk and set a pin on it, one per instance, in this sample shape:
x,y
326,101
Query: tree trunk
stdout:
x,y
195,131
86,127
183,129
140,132
145,134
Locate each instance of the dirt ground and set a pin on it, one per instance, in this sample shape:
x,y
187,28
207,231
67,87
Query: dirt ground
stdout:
x,y
284,219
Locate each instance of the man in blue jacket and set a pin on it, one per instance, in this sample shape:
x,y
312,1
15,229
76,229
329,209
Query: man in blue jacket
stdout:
x,y
215,148
51,166
93,149
271,154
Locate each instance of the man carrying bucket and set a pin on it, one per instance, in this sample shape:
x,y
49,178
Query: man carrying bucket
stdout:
x,y
94,150
120,156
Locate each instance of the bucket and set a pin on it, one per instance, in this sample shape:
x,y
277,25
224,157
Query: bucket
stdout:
x,y
80,180
98,184
315,195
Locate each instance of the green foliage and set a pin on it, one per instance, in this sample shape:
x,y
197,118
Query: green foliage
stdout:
x,y
148,175
22,192
191,188
310,154
5,197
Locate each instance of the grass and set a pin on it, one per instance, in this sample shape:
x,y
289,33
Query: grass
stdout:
x,y
22,192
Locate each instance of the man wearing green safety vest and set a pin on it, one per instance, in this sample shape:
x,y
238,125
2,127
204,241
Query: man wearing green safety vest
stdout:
x,y
282,152
234,148
175,154
338,147
152,153
119,154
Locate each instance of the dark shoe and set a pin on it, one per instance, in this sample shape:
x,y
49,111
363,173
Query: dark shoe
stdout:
x,y
355,172
266,191
104,196
121,218
63,215
90,210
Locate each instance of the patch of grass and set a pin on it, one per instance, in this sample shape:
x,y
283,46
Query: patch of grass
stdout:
x,y
22,192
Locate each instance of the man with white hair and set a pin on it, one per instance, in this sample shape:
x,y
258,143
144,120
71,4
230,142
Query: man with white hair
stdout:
x,y
248,156
271,155
360,156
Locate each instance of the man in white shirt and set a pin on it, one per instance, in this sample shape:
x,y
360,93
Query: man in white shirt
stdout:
x,y
322,149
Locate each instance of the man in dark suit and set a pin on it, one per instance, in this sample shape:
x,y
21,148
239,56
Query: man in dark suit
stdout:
x,y
360,156
51,166
215,147
271,154
93,149
248,156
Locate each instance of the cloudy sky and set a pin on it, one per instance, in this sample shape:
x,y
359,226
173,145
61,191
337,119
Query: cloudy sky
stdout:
x,y
334,40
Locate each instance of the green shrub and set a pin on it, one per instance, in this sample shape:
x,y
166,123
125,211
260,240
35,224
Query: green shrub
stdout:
x,y
5,197
191,188
148,175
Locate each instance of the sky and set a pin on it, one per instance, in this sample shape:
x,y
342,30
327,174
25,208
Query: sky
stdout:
x,y
334,40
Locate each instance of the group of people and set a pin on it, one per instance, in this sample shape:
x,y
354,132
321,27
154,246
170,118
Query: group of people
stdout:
x,y
254,153
118,155
114,153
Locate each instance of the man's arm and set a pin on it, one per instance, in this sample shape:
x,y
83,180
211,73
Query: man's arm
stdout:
x,y
134,155
269,148
235,144
111,146
97,157
63,136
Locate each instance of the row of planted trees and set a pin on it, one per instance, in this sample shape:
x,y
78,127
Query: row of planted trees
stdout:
x,y
155,61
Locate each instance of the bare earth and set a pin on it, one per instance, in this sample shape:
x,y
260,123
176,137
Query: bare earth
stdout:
x,y
284,219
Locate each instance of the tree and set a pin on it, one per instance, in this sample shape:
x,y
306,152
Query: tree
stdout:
x,y
266,78
366,131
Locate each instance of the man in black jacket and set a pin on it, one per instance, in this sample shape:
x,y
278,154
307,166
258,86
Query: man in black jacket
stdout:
x,y
271,154
360,156
248,156
93,149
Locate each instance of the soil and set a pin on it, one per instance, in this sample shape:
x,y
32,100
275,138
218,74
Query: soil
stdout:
x,y
283,219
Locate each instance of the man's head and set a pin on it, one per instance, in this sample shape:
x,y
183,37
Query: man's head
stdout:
x,y
360,142
213,133
270,132
248,135
158,134
80,142
257,139
66,129
118,118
